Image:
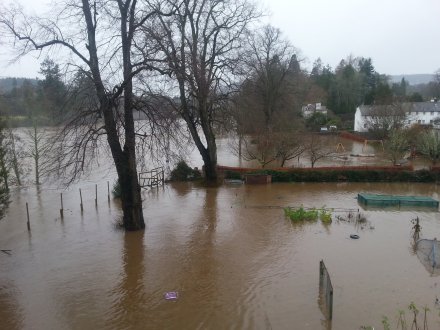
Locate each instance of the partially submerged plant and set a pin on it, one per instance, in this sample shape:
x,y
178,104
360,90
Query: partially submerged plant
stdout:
x,y
386,325
116,191
417,228
401,321
355,217
314,214
301,214
326,216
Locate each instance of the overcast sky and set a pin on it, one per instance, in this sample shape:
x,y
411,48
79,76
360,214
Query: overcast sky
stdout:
x,y
401,36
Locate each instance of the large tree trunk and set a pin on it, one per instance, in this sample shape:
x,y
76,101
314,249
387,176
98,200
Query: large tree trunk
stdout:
x,y
209,156
125,159
130,196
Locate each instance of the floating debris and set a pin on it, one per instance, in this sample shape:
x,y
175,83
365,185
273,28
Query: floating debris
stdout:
x,y
171,295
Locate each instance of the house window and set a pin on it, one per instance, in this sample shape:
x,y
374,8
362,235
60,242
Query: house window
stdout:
x,y
423,121
430,121
409,121
417,112
365,125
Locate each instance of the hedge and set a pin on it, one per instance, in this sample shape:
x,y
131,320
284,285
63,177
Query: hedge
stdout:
x,y
348,174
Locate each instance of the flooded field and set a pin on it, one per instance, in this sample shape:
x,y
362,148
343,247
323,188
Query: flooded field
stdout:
x,y
234,265
234,258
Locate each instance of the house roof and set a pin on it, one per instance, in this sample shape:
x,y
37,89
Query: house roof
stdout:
x,y
368,110
427,106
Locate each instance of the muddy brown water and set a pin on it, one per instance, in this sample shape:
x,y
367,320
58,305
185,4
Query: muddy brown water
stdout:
x,y
235,266
235,263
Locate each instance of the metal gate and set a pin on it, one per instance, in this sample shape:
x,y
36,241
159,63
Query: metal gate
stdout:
x,y
151,178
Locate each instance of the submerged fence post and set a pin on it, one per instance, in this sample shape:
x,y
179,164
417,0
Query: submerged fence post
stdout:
x,y
96,195
62,208
108,191
28,223
80,196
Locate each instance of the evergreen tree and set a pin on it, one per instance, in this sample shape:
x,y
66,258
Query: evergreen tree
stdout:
x,y
366,67
384,94
52,88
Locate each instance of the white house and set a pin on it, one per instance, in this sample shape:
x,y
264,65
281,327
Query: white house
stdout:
x,y
422,113
309,109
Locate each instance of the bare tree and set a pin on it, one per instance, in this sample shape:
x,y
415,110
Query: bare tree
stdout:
x,y
101,40
261,147
39,151
200,44
14,156
316,147
271,67
434,85
289,146
429,146
383,119
4,188
396,145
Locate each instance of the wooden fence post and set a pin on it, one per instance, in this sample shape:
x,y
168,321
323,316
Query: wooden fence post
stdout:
x,y
96,195
80,196
108,190
62,208
28,223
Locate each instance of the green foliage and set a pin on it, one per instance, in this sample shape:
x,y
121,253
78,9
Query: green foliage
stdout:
x,y
384,94
415,97
334,121
233,175
301,214
116,190
317,119
401,321
314,214
386,325
325,216
183,172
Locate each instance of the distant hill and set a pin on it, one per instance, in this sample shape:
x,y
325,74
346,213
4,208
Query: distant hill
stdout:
x,y
413,79
6,84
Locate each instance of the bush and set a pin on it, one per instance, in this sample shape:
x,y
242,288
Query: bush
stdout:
x,y
301,214
314,214
233,175
183,172
116,190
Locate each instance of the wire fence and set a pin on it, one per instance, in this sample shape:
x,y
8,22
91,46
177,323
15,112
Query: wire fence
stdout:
x,y
333,209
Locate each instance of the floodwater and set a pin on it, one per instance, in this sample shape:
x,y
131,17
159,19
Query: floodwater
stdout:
x,y
233,257
235,266
338,158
